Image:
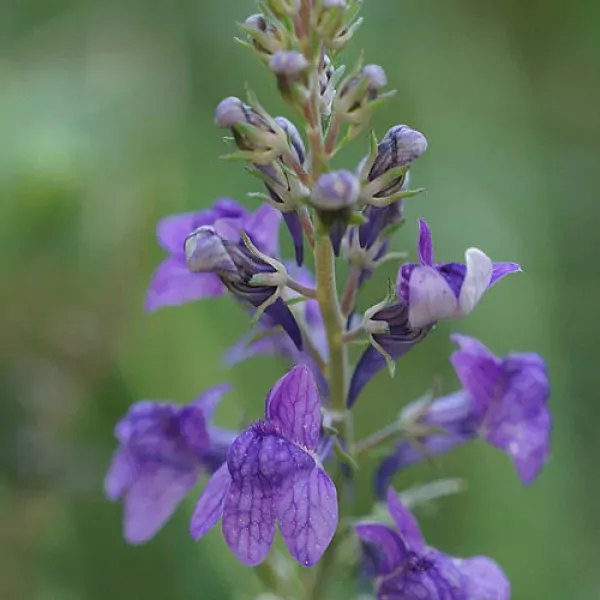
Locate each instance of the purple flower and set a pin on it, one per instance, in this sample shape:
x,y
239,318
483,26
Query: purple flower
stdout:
x,y
163,451
172,283
273,475
405,568
387,344
438,291
504,401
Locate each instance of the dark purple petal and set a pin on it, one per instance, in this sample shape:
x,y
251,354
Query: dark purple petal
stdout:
x,y
282,315
425,246
120,476
294,225
294,406
407,526
152,499
209,507
336,235
307,512
500,270
172,231
172,285
193,429
385,549
262,228
483,579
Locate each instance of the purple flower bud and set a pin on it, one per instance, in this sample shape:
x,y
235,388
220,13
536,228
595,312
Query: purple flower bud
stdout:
x,y
288,64
329,4
266,37
230,112
294,138
336,191
400,147
375,76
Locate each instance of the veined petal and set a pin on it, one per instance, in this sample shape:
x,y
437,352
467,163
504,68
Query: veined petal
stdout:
x,y
295,407
386,549
477,280
425,246
172,285
152,499
430,297
502,269
407,526
172,231
483,579
209,507
307,512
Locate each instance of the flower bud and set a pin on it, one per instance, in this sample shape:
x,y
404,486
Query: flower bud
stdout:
x,y
289,67
334,197
266,37
230,112
294,138
326,86
282,8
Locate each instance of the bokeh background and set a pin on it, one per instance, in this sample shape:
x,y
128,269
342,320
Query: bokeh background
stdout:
x,y
106,126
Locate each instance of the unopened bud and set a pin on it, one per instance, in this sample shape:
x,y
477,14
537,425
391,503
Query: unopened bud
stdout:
x,y
294,138
284,7
266,37
230,112
376,78
335,191
205,252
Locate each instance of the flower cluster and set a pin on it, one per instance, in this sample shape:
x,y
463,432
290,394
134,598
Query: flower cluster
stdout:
x,y
285,470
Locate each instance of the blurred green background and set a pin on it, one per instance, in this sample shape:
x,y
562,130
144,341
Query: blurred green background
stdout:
x,y
106,126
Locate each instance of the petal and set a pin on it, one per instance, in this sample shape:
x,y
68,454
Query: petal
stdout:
x,y
385,548
152,499
283,316
172,231
500,270
209,400
471,345
425,247
483,579
193,429
430,297
263,229
294,225
307,512
477,280
481,376
271,345
120,476
209,507
407,526
172,285
295,407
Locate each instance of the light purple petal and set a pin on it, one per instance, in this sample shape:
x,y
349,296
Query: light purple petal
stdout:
x,y
307,512
476,281
193,429
430,297
500,270
120,476
388,550
481,376
271,345
470,345
209,507
263,229
172,231
425,247
407,526
294,405
483,579
172,285
209,400
152,499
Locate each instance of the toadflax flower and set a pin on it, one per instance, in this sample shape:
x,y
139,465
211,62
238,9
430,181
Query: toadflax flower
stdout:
x,y
504,401
172,283
438,291
405,568
273,475
163,451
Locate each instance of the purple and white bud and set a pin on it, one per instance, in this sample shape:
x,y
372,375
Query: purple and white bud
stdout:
x,y
294,138
266,37
326,86
230,112
205,252
289,64
334,191
376,78
282,8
